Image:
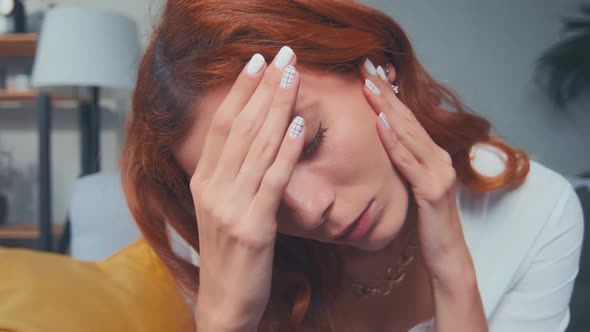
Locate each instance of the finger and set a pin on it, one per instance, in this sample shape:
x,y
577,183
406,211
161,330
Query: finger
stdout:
x,y
380,79
247,124
400,110
279,174
264,149
235,101
414,141
402,158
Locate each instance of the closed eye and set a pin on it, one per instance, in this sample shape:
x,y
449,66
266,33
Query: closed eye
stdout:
x,y
315,142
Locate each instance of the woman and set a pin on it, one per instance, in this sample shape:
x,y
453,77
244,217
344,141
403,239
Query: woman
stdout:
x,y
334,185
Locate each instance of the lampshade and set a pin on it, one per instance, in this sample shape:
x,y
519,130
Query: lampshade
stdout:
x,y
86,47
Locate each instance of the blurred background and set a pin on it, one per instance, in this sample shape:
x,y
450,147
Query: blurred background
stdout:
x,y
67,68
19,120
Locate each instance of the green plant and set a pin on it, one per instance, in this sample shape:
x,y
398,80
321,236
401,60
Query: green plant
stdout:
x,y
564,69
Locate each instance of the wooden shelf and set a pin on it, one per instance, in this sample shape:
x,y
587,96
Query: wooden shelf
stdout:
x,y
8,95
26,232
18,44
25,96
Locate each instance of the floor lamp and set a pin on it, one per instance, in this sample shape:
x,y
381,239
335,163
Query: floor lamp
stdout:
x,y
80,47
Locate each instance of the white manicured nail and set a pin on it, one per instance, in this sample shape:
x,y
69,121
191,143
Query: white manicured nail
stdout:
x,y
296,127
284,57
374,89
288,76
384,119
255,64
370,68
381,73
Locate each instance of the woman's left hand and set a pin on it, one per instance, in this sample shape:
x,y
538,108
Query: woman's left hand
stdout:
x,y
429,170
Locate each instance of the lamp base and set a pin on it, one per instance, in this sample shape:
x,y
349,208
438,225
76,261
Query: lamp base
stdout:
x,y
90,118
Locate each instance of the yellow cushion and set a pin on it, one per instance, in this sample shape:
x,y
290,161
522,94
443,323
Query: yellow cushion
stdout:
x,y
131,291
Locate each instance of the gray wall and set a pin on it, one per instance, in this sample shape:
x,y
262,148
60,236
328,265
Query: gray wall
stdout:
x,y
485,51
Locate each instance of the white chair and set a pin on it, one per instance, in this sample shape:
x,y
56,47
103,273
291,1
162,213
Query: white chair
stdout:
x,y
101,223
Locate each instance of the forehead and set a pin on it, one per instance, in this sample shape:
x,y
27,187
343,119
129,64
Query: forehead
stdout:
x,y
315,89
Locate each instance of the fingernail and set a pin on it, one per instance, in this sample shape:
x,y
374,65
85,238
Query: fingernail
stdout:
x,y
284,57
381,73
370,68
384,119
288,76
296,127
374,89
255,64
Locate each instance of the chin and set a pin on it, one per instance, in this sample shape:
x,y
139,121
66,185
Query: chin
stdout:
x,y
386,230
375,242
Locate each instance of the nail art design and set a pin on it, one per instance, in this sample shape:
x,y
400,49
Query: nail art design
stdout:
x,y
296,127
372,87
255,64
284,57
288,76
381,73
370,68
384,119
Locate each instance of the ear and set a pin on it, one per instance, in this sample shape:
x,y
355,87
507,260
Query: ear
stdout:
x,y
391,73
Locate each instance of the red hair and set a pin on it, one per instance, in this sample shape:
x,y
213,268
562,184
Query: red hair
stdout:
x,y
200,44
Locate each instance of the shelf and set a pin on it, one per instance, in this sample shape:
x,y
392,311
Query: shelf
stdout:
x,y
18,44
26,232
28,96
8,95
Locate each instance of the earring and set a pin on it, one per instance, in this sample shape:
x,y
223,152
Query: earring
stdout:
x,y
394,86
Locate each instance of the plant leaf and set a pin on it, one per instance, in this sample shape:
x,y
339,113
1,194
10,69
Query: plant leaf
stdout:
x,y
584,9
575,25
564,69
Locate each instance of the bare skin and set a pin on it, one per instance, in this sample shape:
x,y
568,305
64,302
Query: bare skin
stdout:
x,y
408,304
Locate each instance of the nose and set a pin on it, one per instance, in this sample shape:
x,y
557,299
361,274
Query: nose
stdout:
x,y
309,197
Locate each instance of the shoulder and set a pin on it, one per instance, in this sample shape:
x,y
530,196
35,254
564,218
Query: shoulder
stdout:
x,y
506,230
525,208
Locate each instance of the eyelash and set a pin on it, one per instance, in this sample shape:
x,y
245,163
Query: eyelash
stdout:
x,y
313,145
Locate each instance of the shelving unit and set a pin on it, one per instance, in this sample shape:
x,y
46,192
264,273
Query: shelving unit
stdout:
x,y
42,232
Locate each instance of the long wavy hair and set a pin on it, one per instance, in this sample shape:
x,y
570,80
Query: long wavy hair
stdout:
x,y
201,44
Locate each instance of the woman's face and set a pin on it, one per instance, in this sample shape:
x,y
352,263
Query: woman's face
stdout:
x,y
348,170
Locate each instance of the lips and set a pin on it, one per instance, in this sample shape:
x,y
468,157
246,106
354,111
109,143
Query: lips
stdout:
x,y
350,228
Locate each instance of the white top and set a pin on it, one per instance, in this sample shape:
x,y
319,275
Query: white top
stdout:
x,y
526,246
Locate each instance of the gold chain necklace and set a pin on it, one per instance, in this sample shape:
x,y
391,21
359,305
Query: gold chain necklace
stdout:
x,y
394,275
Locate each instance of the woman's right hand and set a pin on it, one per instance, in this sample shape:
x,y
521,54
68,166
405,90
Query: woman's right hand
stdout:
x,y
247,161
